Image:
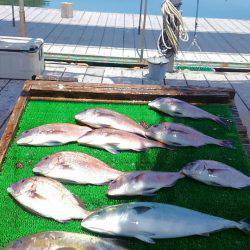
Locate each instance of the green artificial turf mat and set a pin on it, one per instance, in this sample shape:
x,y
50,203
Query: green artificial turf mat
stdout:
x,y
227,203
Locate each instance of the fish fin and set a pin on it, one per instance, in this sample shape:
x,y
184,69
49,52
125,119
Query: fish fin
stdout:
x,y
245,225
66,248
111,150
204,234
227,144
79,202
215,184
141,209
53,143
145,237
149,191
35,195
176,112
222,121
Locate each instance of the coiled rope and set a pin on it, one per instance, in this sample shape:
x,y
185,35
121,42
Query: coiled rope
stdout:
x,y
173,29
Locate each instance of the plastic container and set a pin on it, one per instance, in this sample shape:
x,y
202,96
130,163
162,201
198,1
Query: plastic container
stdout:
x,y
66,10
157,68
21,58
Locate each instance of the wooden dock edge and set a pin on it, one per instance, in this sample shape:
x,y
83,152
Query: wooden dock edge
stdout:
x,y
118,93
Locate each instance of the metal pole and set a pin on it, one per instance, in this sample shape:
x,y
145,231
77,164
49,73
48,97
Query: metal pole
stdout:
x,y
143,30
22,19
139,26
13,15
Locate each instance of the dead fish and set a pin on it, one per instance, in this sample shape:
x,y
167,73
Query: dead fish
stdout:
x,y
48,198
75,167
52,134
148,220
59,240
106,118
114,140
217,174
178,108
178,135
142,182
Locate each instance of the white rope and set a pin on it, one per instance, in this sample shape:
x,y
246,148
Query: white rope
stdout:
x,y
173,29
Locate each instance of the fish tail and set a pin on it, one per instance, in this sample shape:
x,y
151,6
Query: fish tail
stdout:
x,y
222,121
226,143
244,225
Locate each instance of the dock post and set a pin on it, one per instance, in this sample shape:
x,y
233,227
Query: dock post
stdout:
x,y
13,15
22,19
139,26
143,30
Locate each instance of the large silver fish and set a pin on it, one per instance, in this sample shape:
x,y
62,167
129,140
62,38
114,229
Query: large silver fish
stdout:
x,y
48,198
178,108
106,118
77,168
178,135
115,140
59,240
217,174
52,134
142,182
147,221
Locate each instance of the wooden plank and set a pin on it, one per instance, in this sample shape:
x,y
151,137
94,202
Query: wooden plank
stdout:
x,y
243,113
12,125
176,79
3,83
241,84
85,40
196,80
8,98
127,92
95,43
216,80
93,75
129,37
108,37
112,75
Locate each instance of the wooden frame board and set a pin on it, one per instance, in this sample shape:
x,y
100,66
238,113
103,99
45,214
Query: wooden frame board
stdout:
x,y
119,93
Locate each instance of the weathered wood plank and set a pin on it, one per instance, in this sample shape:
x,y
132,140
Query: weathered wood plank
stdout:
x,y
8,98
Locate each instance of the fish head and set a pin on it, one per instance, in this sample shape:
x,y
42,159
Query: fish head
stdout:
x,y
104,220
26,137
87,116
46,165
118,186
165,103
20,187
195,168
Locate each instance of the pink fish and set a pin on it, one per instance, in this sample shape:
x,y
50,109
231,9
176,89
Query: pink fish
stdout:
x,y
217,174
114,140
179,108
178,135
142,182
75,167
52,134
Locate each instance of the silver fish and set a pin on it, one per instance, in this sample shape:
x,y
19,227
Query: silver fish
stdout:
x,y
178,135
178,108
148,220
52,134
113,140
75,167
142,182
48,198
106,118
55,240
217,174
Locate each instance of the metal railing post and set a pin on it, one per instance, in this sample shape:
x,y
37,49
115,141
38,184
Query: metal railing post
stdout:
x,y
13,15
143,30
139,26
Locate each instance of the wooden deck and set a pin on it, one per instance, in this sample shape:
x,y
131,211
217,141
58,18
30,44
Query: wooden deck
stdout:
x,y
10,89
115,35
